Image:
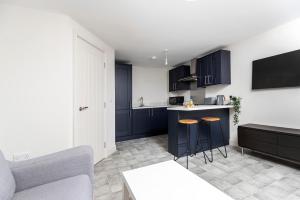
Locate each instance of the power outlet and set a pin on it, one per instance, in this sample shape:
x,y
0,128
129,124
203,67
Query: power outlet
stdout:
x,y
21,156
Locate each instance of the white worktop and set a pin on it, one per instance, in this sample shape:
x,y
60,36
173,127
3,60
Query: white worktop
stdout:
x,y
199,107
168,181
149,106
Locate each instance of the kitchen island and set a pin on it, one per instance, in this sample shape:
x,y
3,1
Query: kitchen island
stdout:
x,y
177,132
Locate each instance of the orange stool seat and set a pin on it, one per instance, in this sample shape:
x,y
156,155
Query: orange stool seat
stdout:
x,y
188,121
211,119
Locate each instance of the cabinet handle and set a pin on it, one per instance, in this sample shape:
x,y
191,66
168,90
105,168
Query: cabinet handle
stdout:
x,y
175,86
130,113
152,112
205,80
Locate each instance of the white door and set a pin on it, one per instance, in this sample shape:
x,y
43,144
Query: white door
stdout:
x,y
89,98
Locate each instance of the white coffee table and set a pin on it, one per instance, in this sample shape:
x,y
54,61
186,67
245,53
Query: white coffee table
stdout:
x,y
168,181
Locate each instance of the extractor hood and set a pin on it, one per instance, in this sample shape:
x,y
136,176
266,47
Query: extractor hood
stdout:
x,y
190,78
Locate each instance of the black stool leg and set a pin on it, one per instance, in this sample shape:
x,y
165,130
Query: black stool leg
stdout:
x,y
210,145
188,145
223,138
200,144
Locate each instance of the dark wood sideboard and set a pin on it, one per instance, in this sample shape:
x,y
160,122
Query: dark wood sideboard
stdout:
x,y
275,141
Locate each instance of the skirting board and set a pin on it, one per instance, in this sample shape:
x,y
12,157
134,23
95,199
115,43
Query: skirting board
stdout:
x,y
110,151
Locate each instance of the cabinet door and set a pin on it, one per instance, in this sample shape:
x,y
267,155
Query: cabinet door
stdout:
x,y
216,61
201,71
141,121
221,67
159,119
172,80
123,123
211,70
123,85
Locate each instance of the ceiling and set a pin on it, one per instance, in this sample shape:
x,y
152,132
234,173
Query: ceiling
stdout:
x,y
140,29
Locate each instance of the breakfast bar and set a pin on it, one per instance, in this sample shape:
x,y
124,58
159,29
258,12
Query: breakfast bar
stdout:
x,y
177,132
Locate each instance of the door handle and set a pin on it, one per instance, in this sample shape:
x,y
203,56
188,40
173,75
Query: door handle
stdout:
x,y
83,108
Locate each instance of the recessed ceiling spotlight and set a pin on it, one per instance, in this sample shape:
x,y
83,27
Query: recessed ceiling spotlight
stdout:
x,y
153,57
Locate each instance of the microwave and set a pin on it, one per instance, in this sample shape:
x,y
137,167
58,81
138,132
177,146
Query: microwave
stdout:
x,y
176,100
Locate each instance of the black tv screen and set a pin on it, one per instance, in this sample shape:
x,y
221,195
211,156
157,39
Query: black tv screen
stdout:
x,y
277,71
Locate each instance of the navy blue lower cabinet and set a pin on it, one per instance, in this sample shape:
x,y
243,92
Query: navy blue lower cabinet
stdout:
x,y
159,120
123,120
148,122
141,121
177,132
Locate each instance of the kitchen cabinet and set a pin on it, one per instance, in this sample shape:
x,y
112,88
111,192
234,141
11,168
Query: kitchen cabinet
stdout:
x,y
172,80
134,123
176,74
177,132
123,99
149,121
214,69
141,121
159,119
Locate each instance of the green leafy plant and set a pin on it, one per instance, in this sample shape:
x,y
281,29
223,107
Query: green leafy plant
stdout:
x,y
236,102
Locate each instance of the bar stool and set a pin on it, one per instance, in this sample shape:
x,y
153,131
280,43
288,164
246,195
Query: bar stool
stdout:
x,y
208,121
188,123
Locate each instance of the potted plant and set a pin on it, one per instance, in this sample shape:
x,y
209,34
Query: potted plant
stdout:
x,y
236,102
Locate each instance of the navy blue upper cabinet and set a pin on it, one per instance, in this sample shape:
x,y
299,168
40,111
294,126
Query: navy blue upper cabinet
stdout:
x,y
214,69
123,99
172,80
176,74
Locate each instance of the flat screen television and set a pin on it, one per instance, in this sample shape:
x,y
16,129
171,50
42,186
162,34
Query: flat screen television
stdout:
x,y
277,71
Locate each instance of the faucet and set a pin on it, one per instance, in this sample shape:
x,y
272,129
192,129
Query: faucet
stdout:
x,y
141,101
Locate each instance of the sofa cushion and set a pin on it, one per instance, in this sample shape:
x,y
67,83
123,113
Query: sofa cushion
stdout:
x,y
7,181
77,187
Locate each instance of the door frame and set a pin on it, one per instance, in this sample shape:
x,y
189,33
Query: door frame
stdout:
x,y
76,36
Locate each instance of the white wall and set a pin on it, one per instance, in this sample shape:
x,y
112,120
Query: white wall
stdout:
x,y
279,107
151,83
36,81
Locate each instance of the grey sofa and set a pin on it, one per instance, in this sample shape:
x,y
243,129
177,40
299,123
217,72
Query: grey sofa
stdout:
x,y
66,175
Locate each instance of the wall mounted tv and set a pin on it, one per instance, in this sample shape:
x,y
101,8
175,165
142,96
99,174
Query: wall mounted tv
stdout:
x,y
277,71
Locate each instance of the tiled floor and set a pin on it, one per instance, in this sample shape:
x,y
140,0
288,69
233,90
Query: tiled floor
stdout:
x,y
245,177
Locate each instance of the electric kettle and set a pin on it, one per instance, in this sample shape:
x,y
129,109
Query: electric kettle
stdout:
x,y
220,99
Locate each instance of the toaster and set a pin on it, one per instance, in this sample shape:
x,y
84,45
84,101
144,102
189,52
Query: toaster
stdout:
x,y
210,101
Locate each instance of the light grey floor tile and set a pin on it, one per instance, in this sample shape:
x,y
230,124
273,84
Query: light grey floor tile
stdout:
x,y
245,177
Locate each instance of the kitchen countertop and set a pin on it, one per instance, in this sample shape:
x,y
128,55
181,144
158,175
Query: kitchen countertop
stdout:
x,y
199,107
149,106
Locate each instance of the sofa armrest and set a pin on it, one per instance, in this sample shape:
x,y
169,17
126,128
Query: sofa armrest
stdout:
x,y
53,167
